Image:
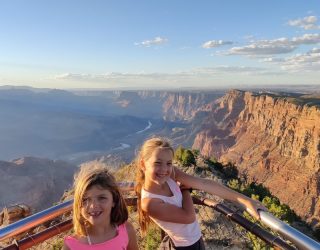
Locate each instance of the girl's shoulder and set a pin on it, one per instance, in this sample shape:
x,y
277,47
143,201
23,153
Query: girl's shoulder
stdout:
x,y
173,185
171,181
74,238
128,226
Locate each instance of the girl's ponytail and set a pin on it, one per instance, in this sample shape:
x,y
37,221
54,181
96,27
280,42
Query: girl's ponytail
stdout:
x,y
144,219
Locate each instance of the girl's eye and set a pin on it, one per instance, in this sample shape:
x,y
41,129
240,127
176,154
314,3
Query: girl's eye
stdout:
x,y
85,201
169,163
102,198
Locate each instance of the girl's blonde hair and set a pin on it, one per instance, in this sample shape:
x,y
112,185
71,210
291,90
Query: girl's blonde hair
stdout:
x,y
85,179
148,147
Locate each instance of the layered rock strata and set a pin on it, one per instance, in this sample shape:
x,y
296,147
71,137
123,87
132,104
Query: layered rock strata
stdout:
x,y
272,141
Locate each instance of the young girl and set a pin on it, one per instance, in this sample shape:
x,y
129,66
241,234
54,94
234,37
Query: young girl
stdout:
x,y
169,205
99,214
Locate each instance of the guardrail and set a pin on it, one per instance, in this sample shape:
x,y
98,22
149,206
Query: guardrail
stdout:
x,y
298,239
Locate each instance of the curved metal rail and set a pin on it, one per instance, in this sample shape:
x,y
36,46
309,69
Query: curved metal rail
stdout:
x,y
245,223
34,220
297,238
37,238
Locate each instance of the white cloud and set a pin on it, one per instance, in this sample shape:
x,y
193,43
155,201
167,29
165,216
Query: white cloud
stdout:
x,y
156,41
306,39
115,77
215,43
264,47
261,49
272,47
73,76
109,76
227,69
307,23
309,61
273,60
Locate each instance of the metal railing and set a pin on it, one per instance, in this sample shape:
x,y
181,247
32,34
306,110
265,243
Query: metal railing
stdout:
x,y
298,239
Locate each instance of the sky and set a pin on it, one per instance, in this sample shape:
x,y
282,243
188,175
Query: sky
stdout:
x,y
159,44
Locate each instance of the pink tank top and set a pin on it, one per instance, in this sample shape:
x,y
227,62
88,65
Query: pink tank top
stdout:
x,y
119,242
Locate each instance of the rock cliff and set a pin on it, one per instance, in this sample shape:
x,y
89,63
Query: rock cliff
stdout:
x,y
184,105
272,139
169,105
34,181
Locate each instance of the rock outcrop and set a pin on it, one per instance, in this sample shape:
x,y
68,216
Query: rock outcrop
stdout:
x,y
184,105
169,105
14,213
35,182
273,140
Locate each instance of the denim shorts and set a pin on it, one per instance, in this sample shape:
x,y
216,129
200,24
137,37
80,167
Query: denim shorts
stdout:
x,y
167,244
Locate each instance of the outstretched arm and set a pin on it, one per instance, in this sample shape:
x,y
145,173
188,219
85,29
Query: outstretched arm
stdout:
x,y
215,188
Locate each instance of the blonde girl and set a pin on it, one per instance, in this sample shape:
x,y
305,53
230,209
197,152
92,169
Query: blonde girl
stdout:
x,y
99,213
169,205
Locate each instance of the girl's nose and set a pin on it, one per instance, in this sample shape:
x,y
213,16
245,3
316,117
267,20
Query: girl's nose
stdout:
x,y
93,203
165,166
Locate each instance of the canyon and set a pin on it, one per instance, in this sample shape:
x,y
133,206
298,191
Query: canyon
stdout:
x,y
272,137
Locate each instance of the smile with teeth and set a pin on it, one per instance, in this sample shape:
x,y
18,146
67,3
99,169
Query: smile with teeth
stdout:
x,y
162,175
94,214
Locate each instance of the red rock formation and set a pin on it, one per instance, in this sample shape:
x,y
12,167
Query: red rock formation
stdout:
x,y
273,141
184,105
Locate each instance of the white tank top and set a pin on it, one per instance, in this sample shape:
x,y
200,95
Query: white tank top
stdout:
x,y
181,234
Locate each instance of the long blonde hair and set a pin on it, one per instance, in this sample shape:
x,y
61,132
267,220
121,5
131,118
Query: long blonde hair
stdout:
x,y
85,179
148,147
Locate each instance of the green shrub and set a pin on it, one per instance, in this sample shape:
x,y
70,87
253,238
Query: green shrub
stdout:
x,y
196,153
230,171
58,244
153,238
188,158
234,184
178,153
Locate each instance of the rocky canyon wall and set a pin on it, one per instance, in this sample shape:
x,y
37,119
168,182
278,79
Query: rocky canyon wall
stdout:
x,y
272,141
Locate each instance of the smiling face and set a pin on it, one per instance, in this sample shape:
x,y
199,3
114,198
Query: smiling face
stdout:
x,y
158,167
97,204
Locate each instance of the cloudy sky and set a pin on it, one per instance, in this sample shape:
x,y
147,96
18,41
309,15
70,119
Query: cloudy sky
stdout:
x,y
159,44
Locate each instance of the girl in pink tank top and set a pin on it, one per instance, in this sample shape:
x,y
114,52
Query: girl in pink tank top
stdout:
x,y
99,214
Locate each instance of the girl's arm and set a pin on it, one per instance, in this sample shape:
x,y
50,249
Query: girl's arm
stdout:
x,y
160,210
132,245
215,188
